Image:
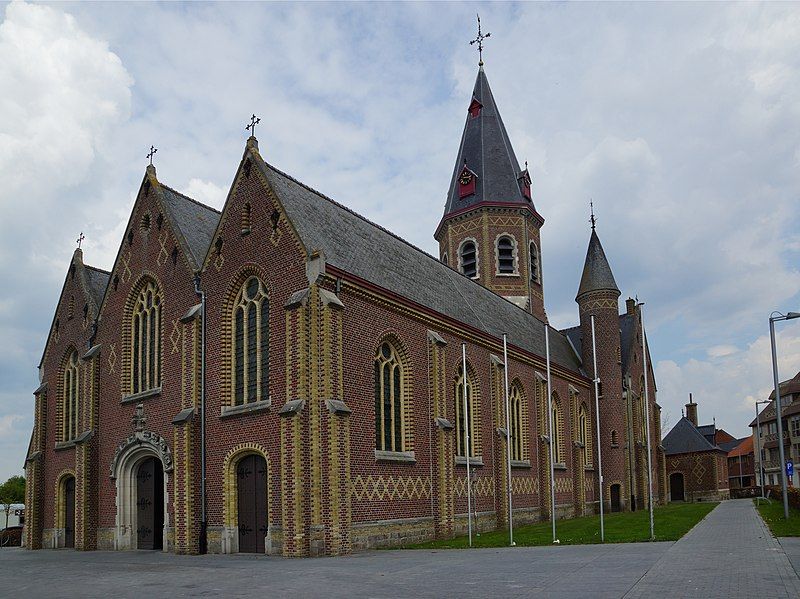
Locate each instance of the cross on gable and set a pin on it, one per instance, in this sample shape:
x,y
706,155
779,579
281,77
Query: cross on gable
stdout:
x,y
479,40
254,120
80,239
152,153
139,419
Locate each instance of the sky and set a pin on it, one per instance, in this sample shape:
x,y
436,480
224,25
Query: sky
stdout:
x,y
678,120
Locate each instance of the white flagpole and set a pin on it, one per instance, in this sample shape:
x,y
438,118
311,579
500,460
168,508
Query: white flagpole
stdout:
x,y
467,452
508,445
599,439
647,424
550,426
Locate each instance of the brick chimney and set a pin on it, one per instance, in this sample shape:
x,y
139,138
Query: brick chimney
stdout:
x,y
630,305
691,411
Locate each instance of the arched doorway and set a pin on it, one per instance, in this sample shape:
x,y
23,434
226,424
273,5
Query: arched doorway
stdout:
x,y
69,512
616,504
149,504
676,487
251,503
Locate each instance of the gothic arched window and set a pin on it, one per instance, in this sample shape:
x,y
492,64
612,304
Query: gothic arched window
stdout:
x,y
515,416
534,263
505,255
389,425
69,403
461,425
468,259
557,440
585,434
146,340
251,343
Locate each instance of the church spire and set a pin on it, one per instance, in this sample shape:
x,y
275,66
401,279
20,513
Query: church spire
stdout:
x,y
486,170
597,275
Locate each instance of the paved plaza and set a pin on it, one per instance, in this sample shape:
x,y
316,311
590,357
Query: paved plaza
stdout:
x,y
729,554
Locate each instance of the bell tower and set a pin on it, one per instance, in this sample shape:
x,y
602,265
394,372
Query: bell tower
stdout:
x,y
490,228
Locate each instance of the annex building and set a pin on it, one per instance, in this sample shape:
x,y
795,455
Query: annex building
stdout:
x,y
286,376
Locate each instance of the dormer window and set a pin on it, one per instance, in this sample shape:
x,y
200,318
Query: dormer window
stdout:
x,y
475,108
525,183
466,182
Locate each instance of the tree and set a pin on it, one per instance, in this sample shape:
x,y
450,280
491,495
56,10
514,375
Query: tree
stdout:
x,y
12,491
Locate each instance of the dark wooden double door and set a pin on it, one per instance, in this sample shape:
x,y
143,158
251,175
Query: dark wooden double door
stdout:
x,y
251,500
69,512
676,491
149,505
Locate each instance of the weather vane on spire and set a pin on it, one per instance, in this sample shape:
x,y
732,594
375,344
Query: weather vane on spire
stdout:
x,y
254,120
152,153
80,239
592,219
479,40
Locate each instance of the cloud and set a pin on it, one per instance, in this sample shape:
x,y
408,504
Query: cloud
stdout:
x,y
206,192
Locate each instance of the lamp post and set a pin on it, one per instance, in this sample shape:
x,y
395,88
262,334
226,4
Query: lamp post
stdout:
x,y
775,316
758,446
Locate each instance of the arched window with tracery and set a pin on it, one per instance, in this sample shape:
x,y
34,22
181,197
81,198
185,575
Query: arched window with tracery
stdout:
x,y
465,447
585,434
251,343
534,263
70,398
468,259
515,405
506,259
389,389
146,340
558,441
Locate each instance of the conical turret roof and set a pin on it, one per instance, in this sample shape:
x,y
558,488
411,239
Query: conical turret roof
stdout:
x,y
486,151
597,275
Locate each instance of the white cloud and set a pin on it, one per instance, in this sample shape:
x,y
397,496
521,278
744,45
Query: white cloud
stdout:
x,y
206,192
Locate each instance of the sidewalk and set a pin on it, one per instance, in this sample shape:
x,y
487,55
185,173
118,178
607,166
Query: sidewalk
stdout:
x,y
730,553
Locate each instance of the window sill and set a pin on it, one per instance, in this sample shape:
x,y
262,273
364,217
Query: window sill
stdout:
x,y
589,468
247,408
405,457
474,461
64,445
141,395
520,463
506,274
560,466
615,446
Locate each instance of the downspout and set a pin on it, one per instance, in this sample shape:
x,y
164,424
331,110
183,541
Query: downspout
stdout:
x,y
203,522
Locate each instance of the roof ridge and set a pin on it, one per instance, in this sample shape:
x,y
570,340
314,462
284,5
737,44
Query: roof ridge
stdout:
x,y
185,197
406,242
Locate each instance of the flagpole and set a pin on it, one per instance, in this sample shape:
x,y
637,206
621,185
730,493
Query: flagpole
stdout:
x,y
467,451
508,445
647,424
550,427
597,421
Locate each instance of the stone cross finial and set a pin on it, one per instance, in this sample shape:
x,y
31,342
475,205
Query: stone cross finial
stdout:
x,y
80,239
479,40
254,120
592,218
152,153
139,419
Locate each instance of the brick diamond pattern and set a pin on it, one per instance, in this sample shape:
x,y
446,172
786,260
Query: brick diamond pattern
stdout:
x,y
481,486
381,488
175,336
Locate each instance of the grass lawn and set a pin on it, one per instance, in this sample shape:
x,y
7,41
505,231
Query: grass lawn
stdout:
x,y
671,523
772,513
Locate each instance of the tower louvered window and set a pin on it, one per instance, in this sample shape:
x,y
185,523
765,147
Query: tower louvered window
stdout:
x,y
515,417
146,334
505,255
71,390
469,259
534,262
464,447
389,424
251,343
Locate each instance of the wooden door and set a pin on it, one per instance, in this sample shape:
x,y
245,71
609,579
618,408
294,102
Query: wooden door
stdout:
x,y
615,498
69,512
149,505
676,487
251,491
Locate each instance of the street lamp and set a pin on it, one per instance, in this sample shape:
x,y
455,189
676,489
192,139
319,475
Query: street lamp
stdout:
x,y
775,316
758,447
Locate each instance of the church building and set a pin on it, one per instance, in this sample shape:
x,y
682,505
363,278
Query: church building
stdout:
x,y
285,376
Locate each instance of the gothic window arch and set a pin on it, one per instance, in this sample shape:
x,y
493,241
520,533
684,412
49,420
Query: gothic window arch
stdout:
x,y
518,419
585,434
390,399
250,343
468,258
70,396
534,263
506,254
642,423
462,448
146,331
558,432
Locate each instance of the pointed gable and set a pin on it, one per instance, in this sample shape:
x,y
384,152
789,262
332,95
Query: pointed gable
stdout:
x,y
486,149
685,438
194,223
597,275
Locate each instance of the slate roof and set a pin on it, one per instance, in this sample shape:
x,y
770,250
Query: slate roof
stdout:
x,y
488,153
707,430
357,246
685,438
627,326
597,273
194,221
97,281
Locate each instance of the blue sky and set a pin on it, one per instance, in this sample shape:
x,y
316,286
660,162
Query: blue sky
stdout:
x,y
679,120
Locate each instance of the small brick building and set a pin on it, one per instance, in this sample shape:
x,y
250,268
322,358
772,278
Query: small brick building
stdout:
x,y
696,465
286,376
